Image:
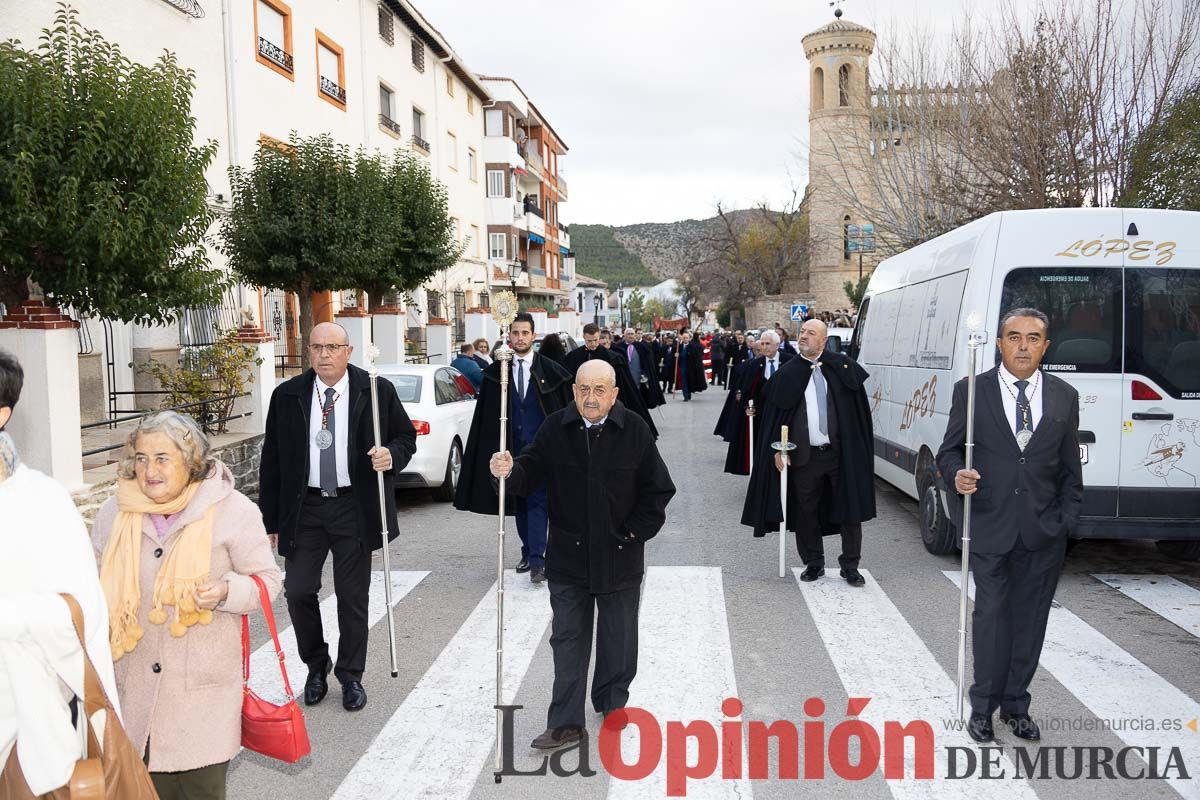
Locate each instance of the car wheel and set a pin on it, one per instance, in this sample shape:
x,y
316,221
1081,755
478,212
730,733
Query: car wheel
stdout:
x,y
937,531
449,486
1181,550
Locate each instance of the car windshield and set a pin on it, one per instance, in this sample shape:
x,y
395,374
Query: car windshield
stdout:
x,y
408,387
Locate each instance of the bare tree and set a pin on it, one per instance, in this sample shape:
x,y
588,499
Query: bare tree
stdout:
x,y
1020,114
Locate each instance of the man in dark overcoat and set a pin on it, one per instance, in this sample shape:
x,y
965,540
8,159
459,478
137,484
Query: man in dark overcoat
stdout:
x,y
537,387
642,367
831,476
318,494
598,530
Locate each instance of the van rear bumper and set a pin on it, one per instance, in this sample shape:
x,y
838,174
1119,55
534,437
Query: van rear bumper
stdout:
x,y
1136,528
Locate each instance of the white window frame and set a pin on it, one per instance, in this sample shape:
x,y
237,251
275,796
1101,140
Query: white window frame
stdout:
x,y
472,164
497,253
491,187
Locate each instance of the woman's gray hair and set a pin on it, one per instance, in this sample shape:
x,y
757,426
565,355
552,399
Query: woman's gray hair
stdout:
x,y
183,431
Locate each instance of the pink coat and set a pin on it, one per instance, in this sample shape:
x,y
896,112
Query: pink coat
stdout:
x,y
190,707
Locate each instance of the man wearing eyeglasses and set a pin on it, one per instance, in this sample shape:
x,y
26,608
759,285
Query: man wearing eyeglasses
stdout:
x,y
317,493
608,490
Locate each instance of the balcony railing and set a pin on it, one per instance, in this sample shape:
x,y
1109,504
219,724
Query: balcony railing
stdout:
x,y
532,208
562,185
420,143
333,90
389,123
275,54
533,158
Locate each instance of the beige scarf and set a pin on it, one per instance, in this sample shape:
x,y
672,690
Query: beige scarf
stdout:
x,y
183,570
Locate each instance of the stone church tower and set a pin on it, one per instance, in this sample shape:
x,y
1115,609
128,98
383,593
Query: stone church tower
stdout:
x,y
839,133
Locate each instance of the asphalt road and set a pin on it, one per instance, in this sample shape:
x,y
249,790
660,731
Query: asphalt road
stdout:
x,y
717,622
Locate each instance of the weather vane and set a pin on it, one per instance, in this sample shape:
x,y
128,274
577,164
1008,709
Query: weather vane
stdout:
x,y
837,7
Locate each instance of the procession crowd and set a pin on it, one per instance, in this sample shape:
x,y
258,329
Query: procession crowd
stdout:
x,y
177,556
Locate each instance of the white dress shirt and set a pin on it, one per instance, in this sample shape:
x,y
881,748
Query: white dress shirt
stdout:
x,y
815,437
771,367
1009,393
526,376
341,430
602,420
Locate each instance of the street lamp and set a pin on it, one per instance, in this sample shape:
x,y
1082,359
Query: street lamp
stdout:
x,y
514,272
621,303
596,300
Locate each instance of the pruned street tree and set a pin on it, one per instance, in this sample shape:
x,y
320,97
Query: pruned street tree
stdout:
x,y
315,216
103,201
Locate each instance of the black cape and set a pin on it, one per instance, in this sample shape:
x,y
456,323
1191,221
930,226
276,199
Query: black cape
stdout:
x,y
728,418
627,391
651,392
855,499
691,358
475,490
751,386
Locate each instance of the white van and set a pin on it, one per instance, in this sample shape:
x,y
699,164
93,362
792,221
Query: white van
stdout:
x,y
1122,290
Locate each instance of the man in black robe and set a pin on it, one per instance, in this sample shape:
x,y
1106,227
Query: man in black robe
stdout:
x,y
630,396
689,366
831,480
547,388
596,559
730,414
670,355
756,374
641,368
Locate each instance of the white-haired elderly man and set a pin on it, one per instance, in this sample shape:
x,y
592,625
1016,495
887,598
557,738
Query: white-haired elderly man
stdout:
x,y
607,493
752,380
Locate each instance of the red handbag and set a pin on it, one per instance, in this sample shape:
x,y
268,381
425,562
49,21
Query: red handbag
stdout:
x,y
274,731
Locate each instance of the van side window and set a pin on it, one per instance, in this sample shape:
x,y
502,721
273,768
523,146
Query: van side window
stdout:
x,y
916,326
856,339
1085,307
1163,332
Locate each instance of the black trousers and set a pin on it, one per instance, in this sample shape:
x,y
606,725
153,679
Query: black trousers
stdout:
x,y
573,610
329,524
808,482
718,368
1013,592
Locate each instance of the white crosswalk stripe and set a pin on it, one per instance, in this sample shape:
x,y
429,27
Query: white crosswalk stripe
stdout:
x,y
879,656
265,678
439,739
685,672
1171,599
1117,687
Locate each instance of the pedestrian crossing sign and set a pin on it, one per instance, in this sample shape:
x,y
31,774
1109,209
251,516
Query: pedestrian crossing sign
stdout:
x,y
798,311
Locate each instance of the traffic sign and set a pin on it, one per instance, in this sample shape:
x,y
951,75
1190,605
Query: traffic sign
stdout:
x,y
799,310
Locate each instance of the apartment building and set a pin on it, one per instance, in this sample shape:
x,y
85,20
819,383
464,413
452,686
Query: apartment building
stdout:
x,y
527,242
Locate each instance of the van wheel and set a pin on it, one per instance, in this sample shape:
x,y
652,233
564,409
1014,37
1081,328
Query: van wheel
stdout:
x,y
937,531
1180,550
449,486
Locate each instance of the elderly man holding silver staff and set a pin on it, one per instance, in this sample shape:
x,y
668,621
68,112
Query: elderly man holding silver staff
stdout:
x,y
318,494
1026,485
608,491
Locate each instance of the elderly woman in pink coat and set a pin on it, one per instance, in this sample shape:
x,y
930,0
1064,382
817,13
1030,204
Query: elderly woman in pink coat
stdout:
x,y
177,546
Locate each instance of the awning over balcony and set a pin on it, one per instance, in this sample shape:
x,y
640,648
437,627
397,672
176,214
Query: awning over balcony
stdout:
x,y
564,250
533,237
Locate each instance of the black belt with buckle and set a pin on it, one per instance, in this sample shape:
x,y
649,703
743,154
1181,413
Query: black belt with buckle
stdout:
x,y
821,448
341,490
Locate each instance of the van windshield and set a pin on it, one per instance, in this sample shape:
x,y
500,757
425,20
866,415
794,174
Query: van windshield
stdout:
x,y
1163,336
1085,308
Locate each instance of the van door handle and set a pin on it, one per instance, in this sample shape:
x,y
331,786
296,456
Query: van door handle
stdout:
x,y
1087,437
1139,415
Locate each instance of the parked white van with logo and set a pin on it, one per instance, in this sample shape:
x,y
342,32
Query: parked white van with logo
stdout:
x,y
1122,290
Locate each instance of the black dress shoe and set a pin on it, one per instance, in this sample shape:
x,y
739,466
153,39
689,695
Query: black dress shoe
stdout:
x,y
523,565
854,577
354,696
812,572
537,574
1021,726
979,728
554,738
316,687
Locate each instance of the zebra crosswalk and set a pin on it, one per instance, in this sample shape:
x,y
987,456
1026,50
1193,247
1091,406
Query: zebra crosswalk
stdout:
x,y
439,741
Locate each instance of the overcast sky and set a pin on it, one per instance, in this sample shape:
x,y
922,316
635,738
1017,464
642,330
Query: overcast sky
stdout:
x,y
668,106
